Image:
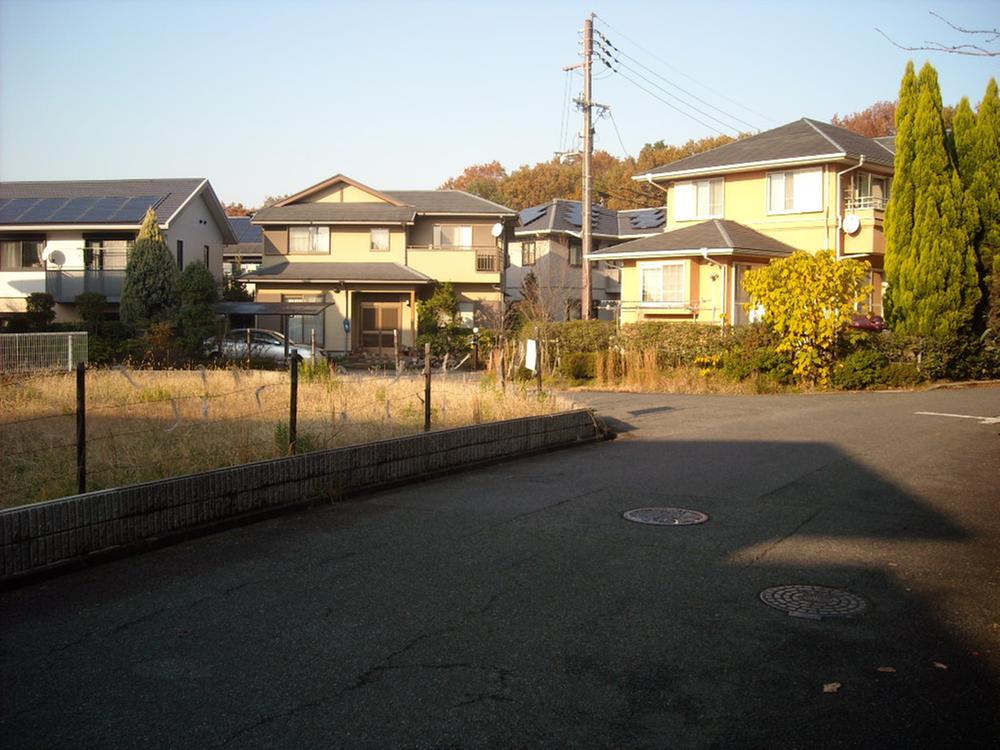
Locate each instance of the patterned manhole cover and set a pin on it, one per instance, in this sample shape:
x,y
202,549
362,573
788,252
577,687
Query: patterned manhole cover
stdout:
x,y
665,516
814,602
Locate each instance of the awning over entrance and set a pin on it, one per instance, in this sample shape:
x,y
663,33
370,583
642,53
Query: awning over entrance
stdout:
x,y
270,308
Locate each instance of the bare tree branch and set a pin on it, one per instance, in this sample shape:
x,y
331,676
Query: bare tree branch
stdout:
x,y
973,50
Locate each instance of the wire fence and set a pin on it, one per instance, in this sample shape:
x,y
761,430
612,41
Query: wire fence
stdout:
x,y
32,352
65,433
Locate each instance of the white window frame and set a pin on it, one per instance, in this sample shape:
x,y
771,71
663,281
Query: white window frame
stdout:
x,y
686,199
446,234
318,240
529,258
795,209
373,245
9,252
685,284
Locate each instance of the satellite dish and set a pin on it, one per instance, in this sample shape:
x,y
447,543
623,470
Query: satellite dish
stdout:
x,y
497,229
852,223
55,257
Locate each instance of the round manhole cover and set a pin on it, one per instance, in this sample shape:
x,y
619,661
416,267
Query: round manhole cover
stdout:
x,y
665,516
814,602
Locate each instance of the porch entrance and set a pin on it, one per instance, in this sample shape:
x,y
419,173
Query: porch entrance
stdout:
x,y
378,321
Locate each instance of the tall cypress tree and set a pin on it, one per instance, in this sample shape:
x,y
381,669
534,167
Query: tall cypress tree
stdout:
x,y
930,261
149,294
898,223
977,145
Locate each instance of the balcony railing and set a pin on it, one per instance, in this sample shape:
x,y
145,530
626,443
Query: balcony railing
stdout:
x,y
64,286
865,201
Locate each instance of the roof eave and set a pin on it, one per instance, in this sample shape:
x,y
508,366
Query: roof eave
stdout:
x,y
742,167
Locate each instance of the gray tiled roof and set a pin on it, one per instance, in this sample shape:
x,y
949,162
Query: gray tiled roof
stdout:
x,y
717,234
246,233
888,142
803,139
335,212
564,216
448,202
170,193
334,272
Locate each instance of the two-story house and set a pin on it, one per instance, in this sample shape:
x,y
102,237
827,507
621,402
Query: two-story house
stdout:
x,y
71,237
807,185
547,244
369,255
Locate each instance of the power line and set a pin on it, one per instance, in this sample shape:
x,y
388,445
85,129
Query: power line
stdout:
x,y
681,72
671,83
618,133
672,95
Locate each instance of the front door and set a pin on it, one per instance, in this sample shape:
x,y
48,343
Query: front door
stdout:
x,y
378,321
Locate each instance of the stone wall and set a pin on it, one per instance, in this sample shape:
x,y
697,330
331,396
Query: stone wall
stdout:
x,y
34,538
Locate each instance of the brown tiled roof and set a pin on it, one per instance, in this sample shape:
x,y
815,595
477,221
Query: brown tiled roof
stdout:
x,y
717,234
803,140
335,272
335,212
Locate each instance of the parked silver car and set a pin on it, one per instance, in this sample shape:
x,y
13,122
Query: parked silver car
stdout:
x,y
257,343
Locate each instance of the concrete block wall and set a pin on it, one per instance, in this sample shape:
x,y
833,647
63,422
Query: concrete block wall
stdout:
x,y
46,535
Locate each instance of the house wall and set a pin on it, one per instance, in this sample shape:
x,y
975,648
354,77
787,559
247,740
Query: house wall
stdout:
x,y
457,265
195,226
347,245
341,193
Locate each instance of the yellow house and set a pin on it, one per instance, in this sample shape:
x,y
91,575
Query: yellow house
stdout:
x,y
368,255
807,185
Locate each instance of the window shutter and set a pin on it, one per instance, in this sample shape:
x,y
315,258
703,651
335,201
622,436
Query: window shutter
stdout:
x,y
684,200
809,190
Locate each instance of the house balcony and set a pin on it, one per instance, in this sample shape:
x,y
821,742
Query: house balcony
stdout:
x,y
869,239
863,202
64,285
481,264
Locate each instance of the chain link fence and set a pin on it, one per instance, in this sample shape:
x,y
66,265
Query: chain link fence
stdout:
x,y
31,352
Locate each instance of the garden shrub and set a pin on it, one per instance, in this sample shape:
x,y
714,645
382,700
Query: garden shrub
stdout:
x,y
578,365
576,335
859,370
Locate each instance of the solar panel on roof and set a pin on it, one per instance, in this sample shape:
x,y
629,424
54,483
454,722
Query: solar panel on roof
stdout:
x,y
104,209
572,213
13,209
529,215
647,219
42,209
135,208
72,210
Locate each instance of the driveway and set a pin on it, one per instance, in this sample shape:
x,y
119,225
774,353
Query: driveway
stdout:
x,y
515,607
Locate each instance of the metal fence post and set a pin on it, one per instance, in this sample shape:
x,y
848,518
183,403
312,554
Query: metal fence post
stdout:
x,y
427,387
81,428
293,407
69,354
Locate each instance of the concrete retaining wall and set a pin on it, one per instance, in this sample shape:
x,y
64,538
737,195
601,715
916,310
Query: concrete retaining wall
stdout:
x,y
38,537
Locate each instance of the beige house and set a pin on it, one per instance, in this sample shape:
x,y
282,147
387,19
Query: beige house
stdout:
x,y
807,185
548,246
369,255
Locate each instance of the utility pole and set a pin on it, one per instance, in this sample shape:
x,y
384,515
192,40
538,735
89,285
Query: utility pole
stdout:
x,y
587,104
588,151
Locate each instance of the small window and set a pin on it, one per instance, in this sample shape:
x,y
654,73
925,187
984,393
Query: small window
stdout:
x,y
206,255
452,235
575,256
309,240
180,253
699,199
379,240
466,317
18,255
664,284
528,253
795,192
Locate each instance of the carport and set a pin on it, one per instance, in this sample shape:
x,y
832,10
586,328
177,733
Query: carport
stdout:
x,y
284,310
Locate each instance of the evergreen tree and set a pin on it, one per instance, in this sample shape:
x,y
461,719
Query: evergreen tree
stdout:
x,y
930,261
149,294
197,291
977,145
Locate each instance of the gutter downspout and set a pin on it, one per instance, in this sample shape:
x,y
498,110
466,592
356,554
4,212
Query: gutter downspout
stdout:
x,y
840,211
725,297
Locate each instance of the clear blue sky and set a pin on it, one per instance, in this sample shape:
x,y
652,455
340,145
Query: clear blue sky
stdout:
x,y
270,97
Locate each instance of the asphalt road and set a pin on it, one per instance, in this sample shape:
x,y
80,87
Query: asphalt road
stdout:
x,y
515,607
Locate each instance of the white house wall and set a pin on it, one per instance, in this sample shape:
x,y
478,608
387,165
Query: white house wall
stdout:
x,y
187,226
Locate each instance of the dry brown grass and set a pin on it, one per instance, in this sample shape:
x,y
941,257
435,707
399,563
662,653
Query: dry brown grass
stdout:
x,y
144,425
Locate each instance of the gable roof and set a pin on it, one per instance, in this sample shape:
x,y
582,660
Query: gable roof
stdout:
x,y
320,186
332,273
448,202
802,141
118,203
560,216
718,236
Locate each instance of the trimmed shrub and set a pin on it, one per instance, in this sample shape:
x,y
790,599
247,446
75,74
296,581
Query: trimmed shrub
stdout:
x,y
859,370
578,365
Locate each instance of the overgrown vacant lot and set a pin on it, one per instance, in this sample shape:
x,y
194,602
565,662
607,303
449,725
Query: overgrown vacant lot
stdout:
x,y
147,424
